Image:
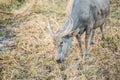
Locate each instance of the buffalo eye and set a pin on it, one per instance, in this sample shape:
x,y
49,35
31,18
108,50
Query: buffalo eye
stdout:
x,y
61,43
54,43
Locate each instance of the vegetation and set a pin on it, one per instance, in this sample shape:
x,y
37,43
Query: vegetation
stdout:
x,y
27,52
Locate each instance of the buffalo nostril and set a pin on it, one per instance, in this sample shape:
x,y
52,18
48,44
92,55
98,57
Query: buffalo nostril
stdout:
x,y
60,61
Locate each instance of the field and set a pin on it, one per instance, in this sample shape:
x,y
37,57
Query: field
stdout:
x,y
27,51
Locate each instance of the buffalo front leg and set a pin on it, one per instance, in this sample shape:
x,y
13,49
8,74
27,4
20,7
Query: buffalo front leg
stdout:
x,y
78,37
87,41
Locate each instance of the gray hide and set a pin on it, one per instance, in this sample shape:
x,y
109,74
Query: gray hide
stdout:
x,y
83,16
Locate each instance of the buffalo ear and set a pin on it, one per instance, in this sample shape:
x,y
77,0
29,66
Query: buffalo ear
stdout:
x,y
75,32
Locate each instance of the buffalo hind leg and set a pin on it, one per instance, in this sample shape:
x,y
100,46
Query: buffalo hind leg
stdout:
x,y
92,37
78,37
103,34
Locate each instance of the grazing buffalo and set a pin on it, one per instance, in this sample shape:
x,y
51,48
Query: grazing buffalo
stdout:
x,y
83,16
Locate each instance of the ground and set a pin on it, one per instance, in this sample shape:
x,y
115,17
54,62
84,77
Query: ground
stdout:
x,y
27,52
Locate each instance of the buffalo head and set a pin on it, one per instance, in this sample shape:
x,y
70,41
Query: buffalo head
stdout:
x,y
62,39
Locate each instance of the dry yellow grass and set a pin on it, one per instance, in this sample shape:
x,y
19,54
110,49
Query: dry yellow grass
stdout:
x,y
31,54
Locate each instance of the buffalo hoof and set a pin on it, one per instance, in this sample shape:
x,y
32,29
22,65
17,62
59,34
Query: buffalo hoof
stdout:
x,y
59,61
86,55
92,43
103,38
81,54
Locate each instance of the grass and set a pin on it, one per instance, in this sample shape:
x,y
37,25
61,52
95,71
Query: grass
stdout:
x,y
31,55
59,10
8,5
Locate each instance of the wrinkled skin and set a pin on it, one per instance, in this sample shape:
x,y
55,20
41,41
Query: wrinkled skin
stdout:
x,y
83,16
